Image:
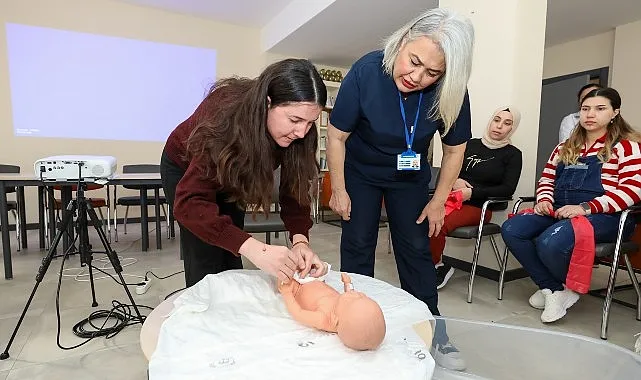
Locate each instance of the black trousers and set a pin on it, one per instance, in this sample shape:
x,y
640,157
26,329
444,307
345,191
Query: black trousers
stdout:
x,y
199,257
404,202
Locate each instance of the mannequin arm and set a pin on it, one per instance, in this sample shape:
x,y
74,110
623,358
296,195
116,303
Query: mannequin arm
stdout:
x,y
314,319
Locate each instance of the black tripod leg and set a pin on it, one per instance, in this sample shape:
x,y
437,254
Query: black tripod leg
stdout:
x,y
84,248
67,219
113,256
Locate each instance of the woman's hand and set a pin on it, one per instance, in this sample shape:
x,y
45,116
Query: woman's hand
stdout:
x,y
467,193
543,208
435,214
568,212
461,184
276,260
313,264
340,203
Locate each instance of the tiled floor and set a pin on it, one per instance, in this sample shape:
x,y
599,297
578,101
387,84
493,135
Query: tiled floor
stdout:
x,y
35,355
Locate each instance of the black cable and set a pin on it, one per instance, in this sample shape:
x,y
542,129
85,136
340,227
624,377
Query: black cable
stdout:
x,y
160,278
122,313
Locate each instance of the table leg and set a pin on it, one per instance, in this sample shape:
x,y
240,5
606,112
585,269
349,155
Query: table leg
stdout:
x,y
4,226
52,216
157,211
23,216
144,220
41,217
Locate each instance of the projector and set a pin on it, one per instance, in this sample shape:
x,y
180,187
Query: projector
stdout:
x,y
66,168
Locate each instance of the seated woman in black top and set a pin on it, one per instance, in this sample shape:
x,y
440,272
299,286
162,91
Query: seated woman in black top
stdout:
x,y
491,168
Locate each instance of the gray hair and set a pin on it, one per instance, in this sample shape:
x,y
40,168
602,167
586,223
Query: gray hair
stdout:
x,y
454,34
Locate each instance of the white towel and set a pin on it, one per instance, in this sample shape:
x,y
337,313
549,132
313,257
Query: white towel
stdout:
x,y
234,325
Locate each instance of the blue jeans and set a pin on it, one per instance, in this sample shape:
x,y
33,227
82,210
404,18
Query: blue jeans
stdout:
x,y
543,245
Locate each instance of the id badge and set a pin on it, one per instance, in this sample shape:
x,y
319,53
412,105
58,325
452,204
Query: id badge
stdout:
x,y
408,161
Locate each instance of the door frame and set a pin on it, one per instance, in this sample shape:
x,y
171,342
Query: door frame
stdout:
x,y
600,73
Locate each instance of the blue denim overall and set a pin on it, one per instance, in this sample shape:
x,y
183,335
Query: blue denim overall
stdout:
x,y
543,244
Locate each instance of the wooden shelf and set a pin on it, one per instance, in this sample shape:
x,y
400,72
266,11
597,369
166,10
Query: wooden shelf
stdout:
x,y
332,84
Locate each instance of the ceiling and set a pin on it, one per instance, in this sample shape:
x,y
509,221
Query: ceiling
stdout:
x,y
569,20
336,40
330,35
250,13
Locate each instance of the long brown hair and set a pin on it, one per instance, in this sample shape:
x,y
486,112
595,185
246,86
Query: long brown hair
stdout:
x,y
618,129
235,144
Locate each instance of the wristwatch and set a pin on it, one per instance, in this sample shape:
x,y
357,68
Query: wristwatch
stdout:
x,y
586,207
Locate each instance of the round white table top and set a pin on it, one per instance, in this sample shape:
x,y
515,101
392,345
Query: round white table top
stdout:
x,y
151,327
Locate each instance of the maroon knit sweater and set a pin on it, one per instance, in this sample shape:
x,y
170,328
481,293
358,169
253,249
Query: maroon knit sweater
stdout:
x,y
195,204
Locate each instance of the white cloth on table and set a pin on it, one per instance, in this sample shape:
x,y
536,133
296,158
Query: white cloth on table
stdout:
x,y
234,325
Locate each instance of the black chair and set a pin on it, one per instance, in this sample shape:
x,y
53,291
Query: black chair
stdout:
x,y
12,206
478,232
270,223
132,201
612,250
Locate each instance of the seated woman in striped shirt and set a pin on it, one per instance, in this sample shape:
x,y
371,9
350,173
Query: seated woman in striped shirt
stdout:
x,y
596,173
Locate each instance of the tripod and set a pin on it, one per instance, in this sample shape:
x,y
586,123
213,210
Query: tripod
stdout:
x,y
82,208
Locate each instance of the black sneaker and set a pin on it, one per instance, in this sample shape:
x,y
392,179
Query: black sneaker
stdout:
x,y
443,273
448,356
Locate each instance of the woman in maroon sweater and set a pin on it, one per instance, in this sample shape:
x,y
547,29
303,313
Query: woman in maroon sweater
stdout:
x,y
222,159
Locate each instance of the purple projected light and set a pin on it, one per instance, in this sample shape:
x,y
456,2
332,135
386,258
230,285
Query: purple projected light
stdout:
x,y
77,85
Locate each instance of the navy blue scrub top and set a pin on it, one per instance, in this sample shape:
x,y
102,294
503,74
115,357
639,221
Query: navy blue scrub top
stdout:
x,y
367,106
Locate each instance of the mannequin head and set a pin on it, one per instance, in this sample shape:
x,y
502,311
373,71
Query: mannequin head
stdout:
x,y
361,324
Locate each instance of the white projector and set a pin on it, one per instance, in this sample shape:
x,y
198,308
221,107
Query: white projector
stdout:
x,y
72,168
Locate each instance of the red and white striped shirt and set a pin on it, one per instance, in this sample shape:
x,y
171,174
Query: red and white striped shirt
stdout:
x,y
620,177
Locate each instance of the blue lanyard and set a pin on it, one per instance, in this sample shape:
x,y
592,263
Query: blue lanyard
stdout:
x,y
409,137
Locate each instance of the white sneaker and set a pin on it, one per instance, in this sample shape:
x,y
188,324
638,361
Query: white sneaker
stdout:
x,y
448,356
557,304
537,300
637,345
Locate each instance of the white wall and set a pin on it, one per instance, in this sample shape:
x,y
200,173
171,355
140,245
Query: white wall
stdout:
x,y
626,72
581,55
617,49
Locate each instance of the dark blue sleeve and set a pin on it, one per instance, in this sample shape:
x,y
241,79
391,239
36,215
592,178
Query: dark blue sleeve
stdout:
x,y
347,107
461,131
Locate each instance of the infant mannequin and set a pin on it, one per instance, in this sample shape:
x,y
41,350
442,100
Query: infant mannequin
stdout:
x,y
357,319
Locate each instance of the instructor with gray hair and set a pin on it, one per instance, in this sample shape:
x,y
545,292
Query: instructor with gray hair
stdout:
x,y
389,106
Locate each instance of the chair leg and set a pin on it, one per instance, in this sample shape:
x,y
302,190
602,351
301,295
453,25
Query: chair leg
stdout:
x,y
635,283
477,249
475,259
16,217
389,240
102,217
164,211
268,238
607,303
125,225
503,268
503,264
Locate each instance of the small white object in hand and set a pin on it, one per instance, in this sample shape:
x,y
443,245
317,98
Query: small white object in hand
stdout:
x,y
310,278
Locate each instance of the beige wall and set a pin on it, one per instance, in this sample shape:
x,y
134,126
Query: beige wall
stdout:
x,y
626,74
238,52
581,55
617,49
